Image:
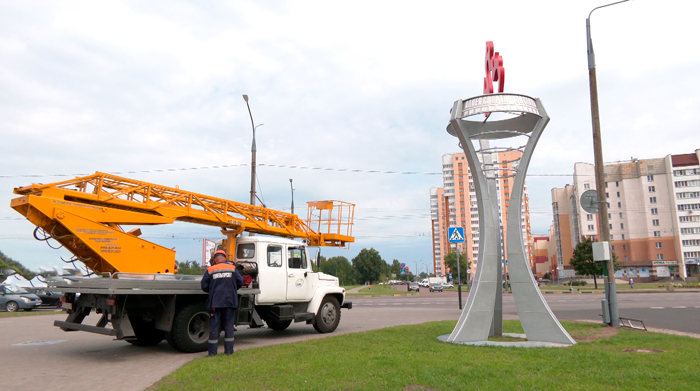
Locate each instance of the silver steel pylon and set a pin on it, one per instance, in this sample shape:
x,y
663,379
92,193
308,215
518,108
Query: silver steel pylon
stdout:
x,y
482,313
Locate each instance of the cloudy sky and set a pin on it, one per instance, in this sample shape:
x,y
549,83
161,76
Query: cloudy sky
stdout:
x,y
145,86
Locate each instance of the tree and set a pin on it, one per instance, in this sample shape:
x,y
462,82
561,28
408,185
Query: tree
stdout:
x,y
368,265
583,264
395,268
464,265
339,267
423,275
9,263
190,268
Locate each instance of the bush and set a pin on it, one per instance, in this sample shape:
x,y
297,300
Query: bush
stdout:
x,y
578,283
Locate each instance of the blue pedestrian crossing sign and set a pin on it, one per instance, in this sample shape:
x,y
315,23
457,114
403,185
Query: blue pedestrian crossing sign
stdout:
x,y
455,234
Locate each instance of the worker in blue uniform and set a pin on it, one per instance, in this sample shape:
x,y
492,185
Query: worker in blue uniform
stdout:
x,y
221,281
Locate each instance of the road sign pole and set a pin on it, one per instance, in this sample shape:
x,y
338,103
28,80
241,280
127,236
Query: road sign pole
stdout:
x,y
459,280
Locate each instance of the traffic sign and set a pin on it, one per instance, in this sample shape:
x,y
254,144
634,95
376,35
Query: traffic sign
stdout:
x,y
403,272
403,265
456,234
469,271
450,276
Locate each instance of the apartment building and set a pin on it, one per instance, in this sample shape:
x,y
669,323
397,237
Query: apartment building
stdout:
x,y
653,206
458,195
685,182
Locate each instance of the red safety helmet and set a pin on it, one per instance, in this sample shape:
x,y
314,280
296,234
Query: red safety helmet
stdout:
x,y
219,252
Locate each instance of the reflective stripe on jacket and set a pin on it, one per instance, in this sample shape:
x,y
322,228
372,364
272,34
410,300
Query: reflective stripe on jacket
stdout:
x,y
222,282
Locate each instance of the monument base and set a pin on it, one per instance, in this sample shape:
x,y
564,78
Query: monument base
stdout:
x,y
524,344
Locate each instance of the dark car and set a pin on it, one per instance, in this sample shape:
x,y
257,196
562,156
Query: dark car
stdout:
x,y
413,287
48,298
436,287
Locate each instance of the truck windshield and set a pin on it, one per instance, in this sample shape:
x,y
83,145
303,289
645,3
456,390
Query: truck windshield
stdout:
x,y
16,289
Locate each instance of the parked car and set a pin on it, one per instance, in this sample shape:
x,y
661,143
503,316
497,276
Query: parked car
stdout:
x,y
48,298
543,281
437,287
413,287
447,285
14,299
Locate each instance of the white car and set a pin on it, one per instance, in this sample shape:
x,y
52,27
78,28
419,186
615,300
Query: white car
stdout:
x,y
447,285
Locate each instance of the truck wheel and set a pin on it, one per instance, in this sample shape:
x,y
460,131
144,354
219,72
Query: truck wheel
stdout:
x,y
11,306
146,334
278,326
190,331
328,315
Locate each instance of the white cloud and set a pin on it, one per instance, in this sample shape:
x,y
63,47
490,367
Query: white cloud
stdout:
x,y
132,86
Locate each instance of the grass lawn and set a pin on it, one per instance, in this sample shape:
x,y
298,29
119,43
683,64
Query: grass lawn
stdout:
x,y
29,313
380,290
411,358
601,287
348,287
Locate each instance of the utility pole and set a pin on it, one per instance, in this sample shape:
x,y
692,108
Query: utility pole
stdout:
x,y
291,185
610,288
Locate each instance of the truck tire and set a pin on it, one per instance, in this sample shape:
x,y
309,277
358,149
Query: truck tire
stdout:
x,y
328,315
190,331
146,334
278,326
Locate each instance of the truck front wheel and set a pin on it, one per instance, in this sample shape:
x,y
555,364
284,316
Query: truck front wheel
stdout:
x,y
328,315
190,331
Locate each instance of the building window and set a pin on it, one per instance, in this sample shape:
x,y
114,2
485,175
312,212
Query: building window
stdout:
x,y
617,184
606,185
655,222
658,244
657,234
611,236
619,204
654,211
612,247
623,236
589,217
660,257
610,226
618,194
652,200
608,205
650,178
590,227
620,215
607,195
625,258
624,247
609,215
622,226
652,189
586,186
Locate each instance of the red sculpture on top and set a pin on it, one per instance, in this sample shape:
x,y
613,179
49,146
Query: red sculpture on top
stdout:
x,y
494,69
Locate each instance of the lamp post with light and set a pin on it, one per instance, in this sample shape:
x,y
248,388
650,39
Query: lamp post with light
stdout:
x,y
610,288
253,151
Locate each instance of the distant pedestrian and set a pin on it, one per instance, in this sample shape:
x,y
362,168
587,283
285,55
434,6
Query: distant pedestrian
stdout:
x,y
221,281
632,283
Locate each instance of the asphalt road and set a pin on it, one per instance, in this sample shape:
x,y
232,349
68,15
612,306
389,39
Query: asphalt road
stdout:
x,y
34,355
678,311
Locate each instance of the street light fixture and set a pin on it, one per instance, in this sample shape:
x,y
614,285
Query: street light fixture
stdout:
x,y
292,186
610,288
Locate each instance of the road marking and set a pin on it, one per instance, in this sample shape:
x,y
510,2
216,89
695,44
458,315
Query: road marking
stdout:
x,y
39,343
657,308
680,307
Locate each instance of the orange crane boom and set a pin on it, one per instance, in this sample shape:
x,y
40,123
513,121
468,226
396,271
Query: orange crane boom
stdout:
x,y
85,215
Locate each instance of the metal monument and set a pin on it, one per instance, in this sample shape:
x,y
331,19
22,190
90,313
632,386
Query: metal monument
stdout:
x,y
522,116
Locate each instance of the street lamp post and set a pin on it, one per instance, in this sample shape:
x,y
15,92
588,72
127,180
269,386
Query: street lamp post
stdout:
x,y
292,187
253,151
610,288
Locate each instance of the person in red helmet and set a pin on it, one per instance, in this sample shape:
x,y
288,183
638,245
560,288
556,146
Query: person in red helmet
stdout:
x,y
221,281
